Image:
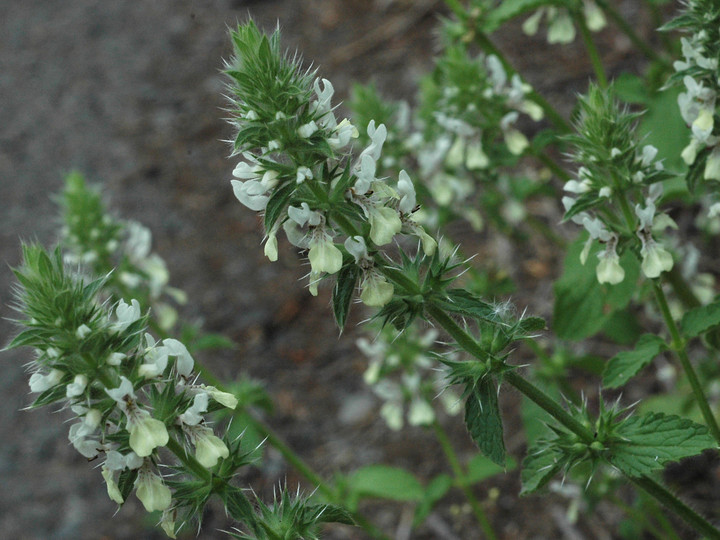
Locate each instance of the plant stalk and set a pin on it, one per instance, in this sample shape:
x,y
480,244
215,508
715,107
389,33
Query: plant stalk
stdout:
x,y
592,50
692,518
459,474
678,345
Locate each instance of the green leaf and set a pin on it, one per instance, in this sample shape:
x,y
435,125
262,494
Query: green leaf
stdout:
x,y
542,463
626,364
344,290
699,320
126,482
385,482
586,201
435,490
237,504
582,305
277,203
480,468
483,420
646,443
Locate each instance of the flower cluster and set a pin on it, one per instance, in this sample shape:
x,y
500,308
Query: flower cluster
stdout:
x,y
401,371
131,395
99,242
561,28
617,187
698,71
462,134
296,169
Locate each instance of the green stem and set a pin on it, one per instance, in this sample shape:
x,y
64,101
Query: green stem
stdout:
x,y
469,344
692,518
678,345
628,30
460,474
591,48
553,115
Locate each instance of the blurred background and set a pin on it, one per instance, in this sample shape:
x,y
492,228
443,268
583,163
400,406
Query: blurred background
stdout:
x,y
130,94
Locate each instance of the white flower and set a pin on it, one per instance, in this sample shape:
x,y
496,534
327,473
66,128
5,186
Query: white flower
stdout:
x,y
324,255
83,331
303,173
184,362
271,246
594,16
384,224
251,193
608,269
307,130
712,165
420,412
655,259
376,291
126,314
365,174
561,29
152,491
193,415
208,447
355,245
41,383
77,387
112,487
146,432
406,190
304,215
377,137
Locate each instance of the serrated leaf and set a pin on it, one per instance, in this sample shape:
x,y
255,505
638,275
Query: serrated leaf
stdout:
x,y
483,420
539,466
646,443
582,304
385,482
699,320
344,290
626,364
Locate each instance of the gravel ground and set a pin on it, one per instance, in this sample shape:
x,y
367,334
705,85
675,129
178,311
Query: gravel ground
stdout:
x,y
129,93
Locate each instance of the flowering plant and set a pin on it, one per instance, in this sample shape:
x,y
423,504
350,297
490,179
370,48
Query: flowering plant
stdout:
x,y
363,198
